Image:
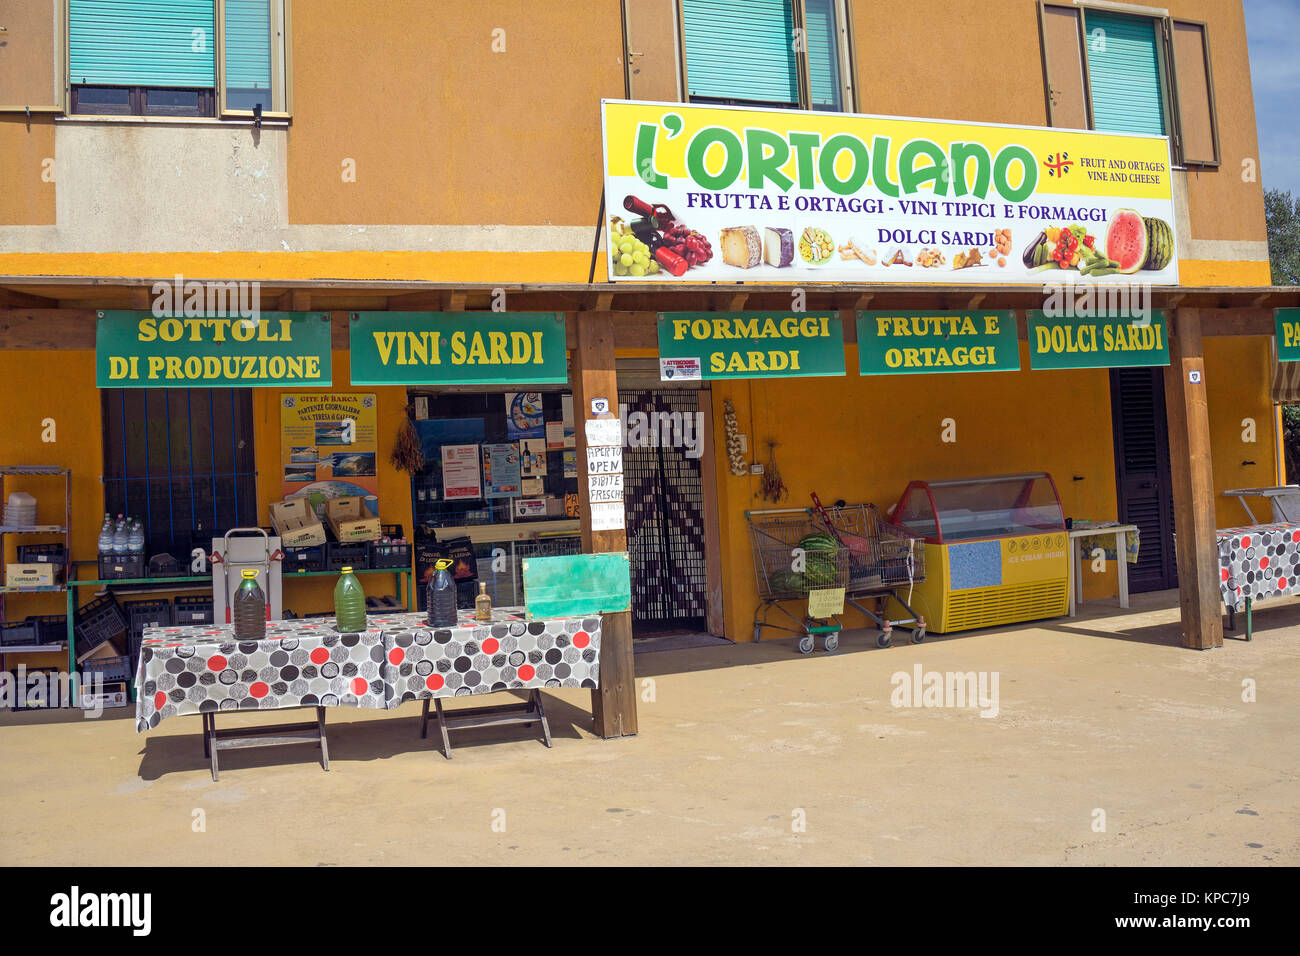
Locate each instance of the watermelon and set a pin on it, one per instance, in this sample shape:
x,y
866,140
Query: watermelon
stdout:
x,y
818,541
787,582
1160,244
1126,240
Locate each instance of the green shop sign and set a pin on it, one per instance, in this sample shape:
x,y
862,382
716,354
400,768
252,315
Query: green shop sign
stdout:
x,y
144,350
903,343
1288,334
695,345
1111,341
458,348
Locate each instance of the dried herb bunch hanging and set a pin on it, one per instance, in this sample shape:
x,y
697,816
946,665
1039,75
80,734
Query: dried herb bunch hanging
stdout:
x,y
772,487
408,455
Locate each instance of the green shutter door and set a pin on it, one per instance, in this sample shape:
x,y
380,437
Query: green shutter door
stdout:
x,y
248,44
740,50
1124,74
142,42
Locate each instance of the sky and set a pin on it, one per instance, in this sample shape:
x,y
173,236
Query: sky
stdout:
x,y
1272,32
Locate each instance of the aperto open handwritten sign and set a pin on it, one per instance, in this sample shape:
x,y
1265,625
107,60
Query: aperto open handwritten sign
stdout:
x,y
577,585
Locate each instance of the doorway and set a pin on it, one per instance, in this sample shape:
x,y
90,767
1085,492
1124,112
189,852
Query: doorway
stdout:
x,y
1143,483
664,501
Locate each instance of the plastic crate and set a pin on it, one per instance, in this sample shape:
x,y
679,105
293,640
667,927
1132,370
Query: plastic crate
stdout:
x,y
50,628
39,698
99,621
55,553
196,609
390,555
165,565
340,556
112,670
303,559
18,634
141,614
113,567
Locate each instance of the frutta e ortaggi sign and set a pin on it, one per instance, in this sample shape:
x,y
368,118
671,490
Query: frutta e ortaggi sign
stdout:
x,y
714,193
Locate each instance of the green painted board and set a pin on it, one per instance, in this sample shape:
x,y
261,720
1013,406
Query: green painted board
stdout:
x,y
577,585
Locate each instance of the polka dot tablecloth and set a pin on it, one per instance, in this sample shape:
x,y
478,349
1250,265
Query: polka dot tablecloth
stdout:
x,y
478,658
202,668
1258,562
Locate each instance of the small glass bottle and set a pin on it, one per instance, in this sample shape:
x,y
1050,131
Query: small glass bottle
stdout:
x,y
482,604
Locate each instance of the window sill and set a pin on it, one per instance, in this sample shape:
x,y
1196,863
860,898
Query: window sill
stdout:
x,y
239,121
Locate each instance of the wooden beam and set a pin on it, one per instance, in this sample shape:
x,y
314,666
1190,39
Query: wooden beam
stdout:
x,y
603,301
10,298
340,332
455,302
974,301
1193,480
613,704
300,300
737,302
1224,322
141,298
863,301
47,328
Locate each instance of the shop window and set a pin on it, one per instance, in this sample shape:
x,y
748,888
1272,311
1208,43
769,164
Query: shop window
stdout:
x,y
181,460
1126,73
178,57
501,479
790,54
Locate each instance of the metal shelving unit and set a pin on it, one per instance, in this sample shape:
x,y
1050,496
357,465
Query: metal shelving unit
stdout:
x,y
48,471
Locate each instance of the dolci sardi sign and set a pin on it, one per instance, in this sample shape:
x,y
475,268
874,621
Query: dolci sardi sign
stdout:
x,y
142,350
1109,341
458,348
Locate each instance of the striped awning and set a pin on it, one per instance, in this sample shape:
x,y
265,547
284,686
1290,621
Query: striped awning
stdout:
x,y
1286,383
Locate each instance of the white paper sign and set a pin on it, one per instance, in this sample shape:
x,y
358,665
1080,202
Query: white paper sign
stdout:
x,y
605,487
606,516
604,459
460,474
604,431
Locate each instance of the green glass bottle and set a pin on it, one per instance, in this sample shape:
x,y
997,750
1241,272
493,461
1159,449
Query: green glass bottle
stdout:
x,y
349,604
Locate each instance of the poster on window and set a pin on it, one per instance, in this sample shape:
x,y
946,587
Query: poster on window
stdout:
x,y
460,472
702,193
532,457
501,477
328,447
524,418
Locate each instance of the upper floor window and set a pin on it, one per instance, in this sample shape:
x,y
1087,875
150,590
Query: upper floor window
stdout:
x,y
1131,73
791,54
178,57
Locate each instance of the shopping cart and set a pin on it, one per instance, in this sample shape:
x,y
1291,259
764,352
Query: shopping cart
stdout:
x,y
787,567
883,559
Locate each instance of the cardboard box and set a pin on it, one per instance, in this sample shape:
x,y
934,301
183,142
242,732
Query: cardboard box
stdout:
x,y
35,574
104,698
296,523
350,521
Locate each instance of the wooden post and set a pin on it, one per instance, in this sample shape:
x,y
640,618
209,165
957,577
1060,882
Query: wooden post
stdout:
x,y
613,704
1189,459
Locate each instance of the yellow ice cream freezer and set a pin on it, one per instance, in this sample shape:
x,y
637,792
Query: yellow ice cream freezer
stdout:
x,y
995,550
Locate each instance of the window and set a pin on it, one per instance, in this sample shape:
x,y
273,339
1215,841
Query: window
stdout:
x,y
161,57
180,460
791,54
1131,73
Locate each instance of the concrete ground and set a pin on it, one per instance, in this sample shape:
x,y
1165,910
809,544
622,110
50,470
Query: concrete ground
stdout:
x,y
747,754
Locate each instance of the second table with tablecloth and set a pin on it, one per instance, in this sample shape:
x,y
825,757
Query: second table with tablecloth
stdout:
x,y
1258,562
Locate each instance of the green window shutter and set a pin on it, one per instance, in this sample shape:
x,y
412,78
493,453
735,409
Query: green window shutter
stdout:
x,y
740,50
142,42
823,54
248,44
1124,74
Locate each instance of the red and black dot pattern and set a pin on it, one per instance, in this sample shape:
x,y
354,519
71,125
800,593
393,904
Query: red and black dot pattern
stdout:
x,y
191,670
1258,562
201,668
474,658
